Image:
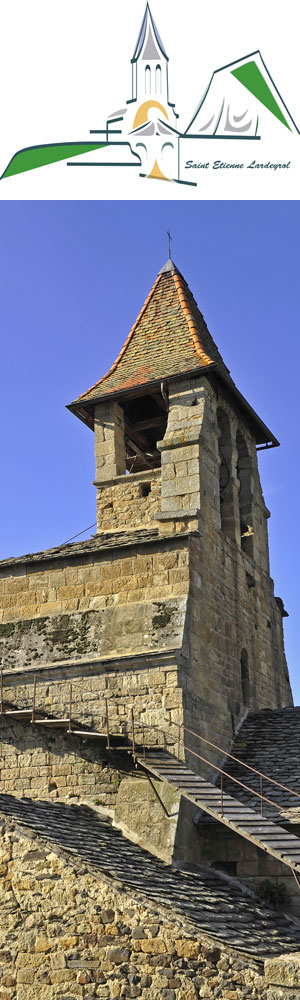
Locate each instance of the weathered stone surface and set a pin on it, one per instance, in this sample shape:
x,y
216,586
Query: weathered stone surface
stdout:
x,y
116,956
150,812
129,501
187,949
283,971
154,618
48,963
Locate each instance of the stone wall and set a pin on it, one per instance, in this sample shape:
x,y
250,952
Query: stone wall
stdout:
x,y
111,603
129,501
150,689
154,624
227,852
67,932
37,763
147,812
230,610
282,977
40,765
195,591
156,618
109,440
97,580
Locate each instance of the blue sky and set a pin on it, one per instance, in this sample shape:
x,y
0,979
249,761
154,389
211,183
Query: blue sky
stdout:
x,y
73,278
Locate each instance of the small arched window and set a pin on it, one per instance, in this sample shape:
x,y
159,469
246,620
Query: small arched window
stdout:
x,y
147,80
158,80
244,475
245,678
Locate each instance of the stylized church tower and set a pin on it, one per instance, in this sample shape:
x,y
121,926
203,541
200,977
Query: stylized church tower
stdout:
x,y
176,458
150,63
149,119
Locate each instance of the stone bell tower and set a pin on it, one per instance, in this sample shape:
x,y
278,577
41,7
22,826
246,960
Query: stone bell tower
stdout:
x,y
176,460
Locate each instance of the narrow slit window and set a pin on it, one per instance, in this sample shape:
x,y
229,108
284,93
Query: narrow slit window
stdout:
x,y
225,476
245,678
244,475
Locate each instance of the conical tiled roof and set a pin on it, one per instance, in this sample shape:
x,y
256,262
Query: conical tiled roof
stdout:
x,y
168,339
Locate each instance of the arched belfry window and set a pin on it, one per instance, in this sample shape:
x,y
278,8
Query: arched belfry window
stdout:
x,y
244,475
147,80
225,476
245,678
145,421
158,80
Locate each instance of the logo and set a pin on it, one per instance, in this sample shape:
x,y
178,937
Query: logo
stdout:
x,y
241,105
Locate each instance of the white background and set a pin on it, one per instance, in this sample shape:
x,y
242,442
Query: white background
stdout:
x,y
65,65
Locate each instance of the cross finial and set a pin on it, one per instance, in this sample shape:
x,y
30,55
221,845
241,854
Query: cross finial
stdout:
x,y
170,241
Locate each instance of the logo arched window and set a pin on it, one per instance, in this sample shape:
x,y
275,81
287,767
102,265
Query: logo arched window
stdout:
x,y
158,79
147,80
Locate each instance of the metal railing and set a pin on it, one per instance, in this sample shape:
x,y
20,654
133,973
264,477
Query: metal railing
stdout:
x,y
139,749
223,774
40,715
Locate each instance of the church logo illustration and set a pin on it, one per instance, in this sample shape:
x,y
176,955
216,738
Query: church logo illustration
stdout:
x,y
241,102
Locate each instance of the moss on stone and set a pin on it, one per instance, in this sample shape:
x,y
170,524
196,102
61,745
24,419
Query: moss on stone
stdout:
x,y
7,630
162,617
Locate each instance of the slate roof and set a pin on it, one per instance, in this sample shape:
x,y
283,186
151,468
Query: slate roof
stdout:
x,y
100,542
269,741
214,905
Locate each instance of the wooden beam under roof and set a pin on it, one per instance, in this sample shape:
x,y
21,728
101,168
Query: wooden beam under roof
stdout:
x,y
143,425
144,458
140,439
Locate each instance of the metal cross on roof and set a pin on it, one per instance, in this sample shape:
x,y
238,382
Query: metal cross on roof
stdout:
x,y
170,241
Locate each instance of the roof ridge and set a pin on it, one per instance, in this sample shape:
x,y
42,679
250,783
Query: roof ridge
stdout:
x,y
203,330
127,342
179,280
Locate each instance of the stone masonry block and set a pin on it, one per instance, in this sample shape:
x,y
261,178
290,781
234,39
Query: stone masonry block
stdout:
x,y
179,487
109,441
283,971
186,454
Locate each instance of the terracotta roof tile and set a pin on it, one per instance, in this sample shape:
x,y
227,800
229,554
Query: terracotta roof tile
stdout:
x,y
169,337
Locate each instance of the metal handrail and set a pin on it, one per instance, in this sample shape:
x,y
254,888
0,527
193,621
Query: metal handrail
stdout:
x,y
261,774
224,774
182,729
237,760
259,795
